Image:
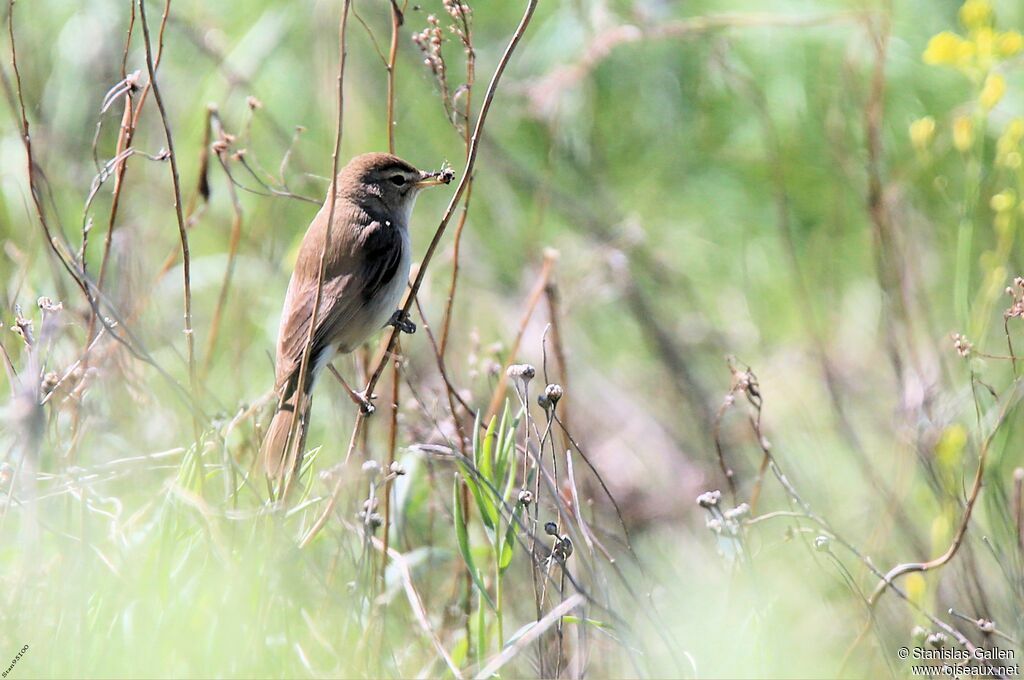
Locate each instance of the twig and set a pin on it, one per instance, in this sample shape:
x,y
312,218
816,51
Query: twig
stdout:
x,y
293,459
183,235
467,173
236,235
397,19
550,257
392,441
910,567
534,632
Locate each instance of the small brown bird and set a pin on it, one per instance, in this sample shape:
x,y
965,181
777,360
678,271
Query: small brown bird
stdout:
x,y
366,271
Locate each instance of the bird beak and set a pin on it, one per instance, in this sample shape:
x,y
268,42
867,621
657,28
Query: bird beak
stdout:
x,y
433,179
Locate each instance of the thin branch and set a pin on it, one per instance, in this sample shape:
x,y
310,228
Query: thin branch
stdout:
x,y
460,189
293,458
183,235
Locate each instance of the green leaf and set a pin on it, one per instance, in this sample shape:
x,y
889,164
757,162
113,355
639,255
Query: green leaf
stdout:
x,y
505,558
482,459
487,510
462,538
459,651
500,448
510,480
590,622
485,457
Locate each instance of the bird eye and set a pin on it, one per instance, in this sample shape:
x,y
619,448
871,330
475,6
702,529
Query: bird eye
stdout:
x,y
398,180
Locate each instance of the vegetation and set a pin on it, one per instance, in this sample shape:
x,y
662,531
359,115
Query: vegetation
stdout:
x,y
717,367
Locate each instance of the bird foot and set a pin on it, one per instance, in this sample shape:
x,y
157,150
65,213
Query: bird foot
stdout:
x,y
400,320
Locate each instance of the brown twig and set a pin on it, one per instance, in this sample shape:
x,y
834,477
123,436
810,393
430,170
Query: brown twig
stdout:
x,y
467,173
129,124
901,569
550,257
390,342
397,19
292,458
467,41
236,235
182,234
392,441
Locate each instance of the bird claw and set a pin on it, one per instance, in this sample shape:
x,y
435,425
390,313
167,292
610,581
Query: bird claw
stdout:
x,y
400,320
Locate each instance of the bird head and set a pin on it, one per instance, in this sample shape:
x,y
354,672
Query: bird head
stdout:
x,y
383,181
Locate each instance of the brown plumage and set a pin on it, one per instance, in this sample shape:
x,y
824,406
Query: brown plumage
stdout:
x,y
365,273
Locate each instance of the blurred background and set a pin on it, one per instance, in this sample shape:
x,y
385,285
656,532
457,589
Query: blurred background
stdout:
x,y
770,217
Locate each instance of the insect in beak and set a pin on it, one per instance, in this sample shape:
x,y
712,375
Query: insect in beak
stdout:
x,y
438,177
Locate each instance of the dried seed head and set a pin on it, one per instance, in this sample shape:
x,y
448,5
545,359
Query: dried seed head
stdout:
x,y
50,381
23,327
740,511
521,372
396,468
371,469
919,633
525,496
48,305
253,102
563,549
822,543
709,499
986,626
962,346
936,640
551,529
553,393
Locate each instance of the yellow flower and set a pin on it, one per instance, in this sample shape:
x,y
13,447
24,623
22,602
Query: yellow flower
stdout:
x,y
1009,43
976,14
1008,145
1003,201
922,131
944,48
963,134
984,42
916,588
992,91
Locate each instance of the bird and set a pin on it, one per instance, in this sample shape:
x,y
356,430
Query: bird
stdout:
x,y
366,270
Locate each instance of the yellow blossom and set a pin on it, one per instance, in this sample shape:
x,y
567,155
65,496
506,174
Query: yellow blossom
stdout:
x,y
1008,145
992,91
976,14
963,134
916,588
1003,201
984,42
922,131
1009,43
944,48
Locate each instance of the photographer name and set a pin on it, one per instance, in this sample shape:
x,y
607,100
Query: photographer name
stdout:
x,y
960,654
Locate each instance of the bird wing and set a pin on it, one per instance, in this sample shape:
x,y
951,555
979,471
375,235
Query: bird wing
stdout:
x,y
364,256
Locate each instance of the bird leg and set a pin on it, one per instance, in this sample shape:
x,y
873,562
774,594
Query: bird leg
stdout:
x,y
400,320
360,399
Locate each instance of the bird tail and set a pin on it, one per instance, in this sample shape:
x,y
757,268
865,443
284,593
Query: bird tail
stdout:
x,y
275,449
